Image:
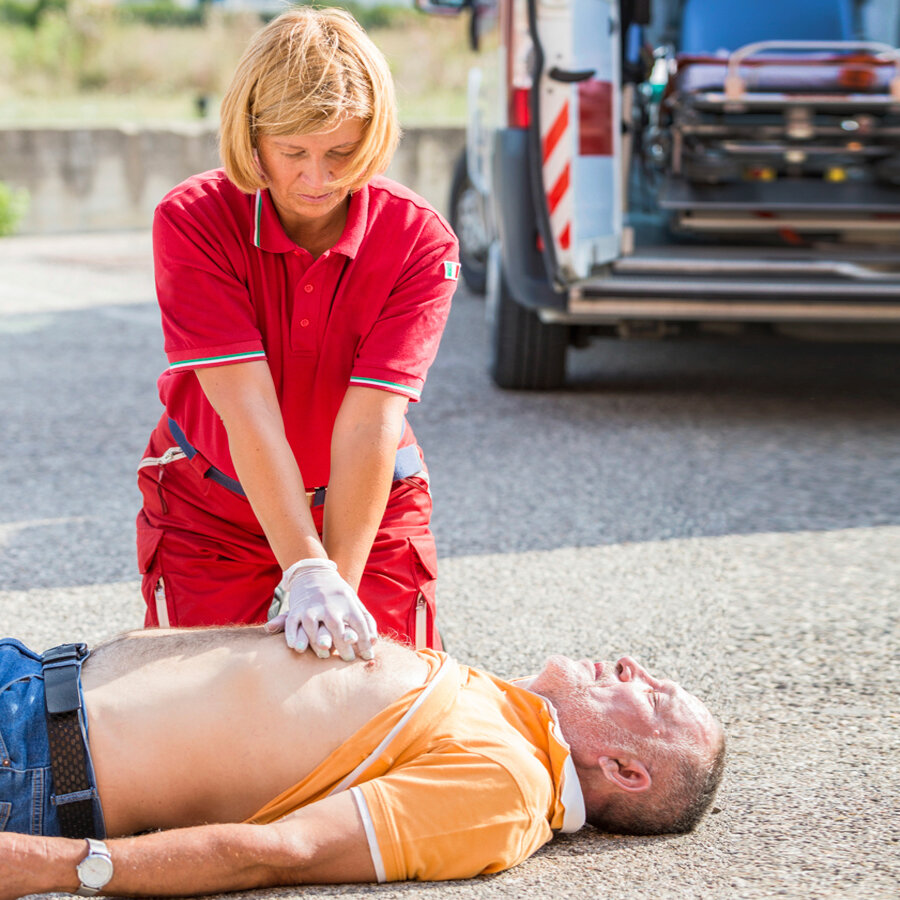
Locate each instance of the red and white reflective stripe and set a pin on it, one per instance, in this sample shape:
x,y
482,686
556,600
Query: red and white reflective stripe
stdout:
x,y
556,144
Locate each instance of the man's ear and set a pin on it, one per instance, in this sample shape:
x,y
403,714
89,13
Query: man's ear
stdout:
x,y
627,774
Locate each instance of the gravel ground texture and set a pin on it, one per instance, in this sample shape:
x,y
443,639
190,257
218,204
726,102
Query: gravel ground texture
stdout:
x,y
730,517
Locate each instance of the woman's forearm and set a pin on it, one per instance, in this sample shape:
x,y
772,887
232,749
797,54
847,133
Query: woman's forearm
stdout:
x,y
244,397
271,479
362,470
363,449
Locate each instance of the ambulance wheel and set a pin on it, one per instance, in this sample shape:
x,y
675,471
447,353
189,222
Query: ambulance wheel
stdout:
x,y
526,353
467,220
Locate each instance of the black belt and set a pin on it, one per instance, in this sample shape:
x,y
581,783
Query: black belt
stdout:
x,y
407,463
73,794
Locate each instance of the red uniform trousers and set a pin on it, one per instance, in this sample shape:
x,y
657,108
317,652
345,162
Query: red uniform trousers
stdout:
x,y
206,561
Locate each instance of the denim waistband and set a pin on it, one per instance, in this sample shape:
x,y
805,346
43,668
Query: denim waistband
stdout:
x,y
27,788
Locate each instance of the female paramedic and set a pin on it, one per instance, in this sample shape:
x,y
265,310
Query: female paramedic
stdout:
x,y
303,297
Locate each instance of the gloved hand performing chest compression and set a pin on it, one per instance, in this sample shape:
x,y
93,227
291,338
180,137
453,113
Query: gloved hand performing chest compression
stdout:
x,y
324,611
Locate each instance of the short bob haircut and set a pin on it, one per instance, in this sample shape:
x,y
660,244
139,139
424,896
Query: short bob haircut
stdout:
x,y
306,72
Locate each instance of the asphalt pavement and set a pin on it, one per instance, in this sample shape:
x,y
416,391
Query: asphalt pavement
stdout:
x,y
729,514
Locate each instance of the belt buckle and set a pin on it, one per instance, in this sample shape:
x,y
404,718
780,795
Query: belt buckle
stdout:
x,y
64,653
60,666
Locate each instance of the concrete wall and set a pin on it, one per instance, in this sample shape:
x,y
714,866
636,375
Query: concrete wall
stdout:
x,y
98,179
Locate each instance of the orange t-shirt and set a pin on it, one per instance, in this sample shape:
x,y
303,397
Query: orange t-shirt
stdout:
x,y
462,776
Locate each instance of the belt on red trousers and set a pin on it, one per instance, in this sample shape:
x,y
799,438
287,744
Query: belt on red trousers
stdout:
x,y
406,463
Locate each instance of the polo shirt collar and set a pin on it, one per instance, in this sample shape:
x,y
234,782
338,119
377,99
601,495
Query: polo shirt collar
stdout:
x,y
570,812
268,233
355,228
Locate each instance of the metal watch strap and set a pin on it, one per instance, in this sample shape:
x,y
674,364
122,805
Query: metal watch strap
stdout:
x,y
72,792
95,849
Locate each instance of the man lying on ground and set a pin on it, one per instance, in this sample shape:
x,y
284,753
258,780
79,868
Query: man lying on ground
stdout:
x,y
239,763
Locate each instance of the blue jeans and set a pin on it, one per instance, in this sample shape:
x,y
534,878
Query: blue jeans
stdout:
x,y
26,780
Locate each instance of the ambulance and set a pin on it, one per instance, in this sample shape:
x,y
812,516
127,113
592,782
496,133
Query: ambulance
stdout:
x,y
666,168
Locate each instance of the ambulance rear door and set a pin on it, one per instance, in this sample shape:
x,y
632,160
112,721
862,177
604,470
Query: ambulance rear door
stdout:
x,y
576,134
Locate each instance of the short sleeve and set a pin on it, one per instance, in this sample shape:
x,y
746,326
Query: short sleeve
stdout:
x,y
207,314
452,813
400,347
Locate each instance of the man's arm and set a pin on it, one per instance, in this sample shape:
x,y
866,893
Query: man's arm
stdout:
x,y
320,844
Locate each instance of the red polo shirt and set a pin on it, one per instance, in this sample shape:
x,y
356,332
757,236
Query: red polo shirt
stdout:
x,y
232,286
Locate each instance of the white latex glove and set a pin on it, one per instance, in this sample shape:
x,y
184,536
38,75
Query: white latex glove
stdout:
x,y
324,611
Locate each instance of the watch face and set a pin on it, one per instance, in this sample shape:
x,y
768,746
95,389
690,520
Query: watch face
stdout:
x,y
95,871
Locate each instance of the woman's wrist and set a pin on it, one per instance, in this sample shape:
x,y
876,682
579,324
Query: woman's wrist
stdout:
x,y
315,562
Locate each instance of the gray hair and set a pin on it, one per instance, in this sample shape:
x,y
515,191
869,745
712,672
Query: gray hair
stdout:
x,y
678,799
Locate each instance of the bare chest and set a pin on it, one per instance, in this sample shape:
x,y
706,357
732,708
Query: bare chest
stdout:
x,y
217,742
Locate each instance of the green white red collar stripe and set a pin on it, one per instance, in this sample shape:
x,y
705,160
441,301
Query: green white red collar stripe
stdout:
x,y
216,360
257,218
396,387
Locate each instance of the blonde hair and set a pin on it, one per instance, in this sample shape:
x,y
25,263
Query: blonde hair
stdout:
x,y
306,72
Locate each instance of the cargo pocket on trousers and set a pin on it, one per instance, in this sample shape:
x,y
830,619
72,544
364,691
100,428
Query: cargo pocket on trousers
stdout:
x,y
148,539
5,813
424,562
152,587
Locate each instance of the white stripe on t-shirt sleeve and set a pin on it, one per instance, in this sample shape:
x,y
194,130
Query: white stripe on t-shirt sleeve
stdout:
x,y
369,827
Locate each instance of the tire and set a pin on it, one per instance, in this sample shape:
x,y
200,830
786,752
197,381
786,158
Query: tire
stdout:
x,y
526,353
467,220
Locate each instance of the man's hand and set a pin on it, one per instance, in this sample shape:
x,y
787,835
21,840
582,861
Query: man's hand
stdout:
x,y
324,611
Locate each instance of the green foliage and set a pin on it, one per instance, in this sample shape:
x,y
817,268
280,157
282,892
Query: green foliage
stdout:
x,y
370,17
380,15
95,62
13,206
29,12
54,50
163,12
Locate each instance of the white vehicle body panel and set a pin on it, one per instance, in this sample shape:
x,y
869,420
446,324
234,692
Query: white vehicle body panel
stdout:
x,y
580,137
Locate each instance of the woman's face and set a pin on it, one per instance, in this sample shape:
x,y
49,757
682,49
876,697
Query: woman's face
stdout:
x,y
300,170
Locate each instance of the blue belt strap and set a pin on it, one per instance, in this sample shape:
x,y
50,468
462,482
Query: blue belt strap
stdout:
x,y
406,464
212,472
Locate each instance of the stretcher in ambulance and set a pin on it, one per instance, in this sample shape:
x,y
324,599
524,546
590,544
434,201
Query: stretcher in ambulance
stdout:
x,y
669,168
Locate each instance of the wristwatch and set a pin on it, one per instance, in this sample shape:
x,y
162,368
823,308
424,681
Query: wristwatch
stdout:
x,y
95,870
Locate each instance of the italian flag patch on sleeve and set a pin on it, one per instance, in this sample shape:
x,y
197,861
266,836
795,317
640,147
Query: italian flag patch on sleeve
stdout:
x,y
451,271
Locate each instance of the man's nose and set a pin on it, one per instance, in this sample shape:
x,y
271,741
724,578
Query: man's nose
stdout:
x,y
630,669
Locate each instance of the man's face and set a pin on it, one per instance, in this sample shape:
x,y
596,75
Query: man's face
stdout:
x,y
620,706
